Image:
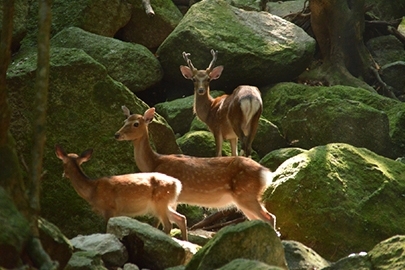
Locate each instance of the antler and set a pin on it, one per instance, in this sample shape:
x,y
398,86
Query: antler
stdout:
x,y
190,65
214,58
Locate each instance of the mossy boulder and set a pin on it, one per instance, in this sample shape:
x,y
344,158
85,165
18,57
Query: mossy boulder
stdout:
x,y
338,199
84,111
288,100
389,254
131,64
255,47
275,158
241,241
201,144
150,31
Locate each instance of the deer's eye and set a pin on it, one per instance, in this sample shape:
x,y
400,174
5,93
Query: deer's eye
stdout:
x,y
136,124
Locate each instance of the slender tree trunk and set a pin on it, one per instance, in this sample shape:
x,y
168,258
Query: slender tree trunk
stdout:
x,y
35,250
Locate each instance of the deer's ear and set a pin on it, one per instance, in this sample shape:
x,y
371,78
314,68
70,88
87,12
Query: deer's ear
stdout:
x,y
86,155
216,72
149,114
187,72
126,111
60,153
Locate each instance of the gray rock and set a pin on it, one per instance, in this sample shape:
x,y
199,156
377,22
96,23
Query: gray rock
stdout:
x,y
111,250
147,246
300,257
85,260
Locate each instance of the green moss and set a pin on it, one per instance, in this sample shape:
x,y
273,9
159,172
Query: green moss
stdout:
x,y
338,192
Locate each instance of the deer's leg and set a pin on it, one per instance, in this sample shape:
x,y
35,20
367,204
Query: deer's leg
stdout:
x,y
234,146
179,220
254,210
218,144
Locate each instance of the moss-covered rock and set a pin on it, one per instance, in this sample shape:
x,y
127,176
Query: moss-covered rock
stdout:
x,y
268,138
201,144
150,31
389,254
255,47
101,17
131,64
337,199
285,98
241,241
275,158
84,111
242,264
324,121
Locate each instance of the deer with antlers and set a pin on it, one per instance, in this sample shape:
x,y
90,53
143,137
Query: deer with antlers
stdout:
x,y
228,117
128,194
215,182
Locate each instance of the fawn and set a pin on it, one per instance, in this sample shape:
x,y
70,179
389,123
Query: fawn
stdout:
x,y
228,117
215,182
128,194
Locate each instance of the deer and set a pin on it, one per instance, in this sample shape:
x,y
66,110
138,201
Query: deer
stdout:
x,y
130,195
214,182
228,117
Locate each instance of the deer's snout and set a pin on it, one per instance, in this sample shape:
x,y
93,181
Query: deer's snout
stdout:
x,y
117,136
201,91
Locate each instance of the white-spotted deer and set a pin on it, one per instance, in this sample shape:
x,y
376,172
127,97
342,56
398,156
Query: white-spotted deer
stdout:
x,y
128,194
215,182
228,117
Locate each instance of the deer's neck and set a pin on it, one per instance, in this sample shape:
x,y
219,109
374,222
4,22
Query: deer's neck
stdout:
x,y
203,105
145,158
83,185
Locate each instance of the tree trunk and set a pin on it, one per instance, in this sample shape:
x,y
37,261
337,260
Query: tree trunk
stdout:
x,y
338,26
10,172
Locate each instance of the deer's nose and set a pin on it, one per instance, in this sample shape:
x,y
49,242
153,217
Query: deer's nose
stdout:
x,y
117,136
200,91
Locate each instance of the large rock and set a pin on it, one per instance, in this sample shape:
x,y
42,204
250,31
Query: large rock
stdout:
x,y
255,47
84,111
326,121
147,246
291,100
241,241
101,17
150,31
131,64
336,199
